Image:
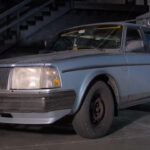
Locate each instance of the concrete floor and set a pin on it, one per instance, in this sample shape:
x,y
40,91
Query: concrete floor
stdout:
x,y
130,131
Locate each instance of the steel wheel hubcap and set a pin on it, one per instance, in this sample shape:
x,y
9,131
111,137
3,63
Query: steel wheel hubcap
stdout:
x,y
97,109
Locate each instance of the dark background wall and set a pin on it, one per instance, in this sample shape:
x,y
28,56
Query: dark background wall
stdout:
x,y
18,30
73,18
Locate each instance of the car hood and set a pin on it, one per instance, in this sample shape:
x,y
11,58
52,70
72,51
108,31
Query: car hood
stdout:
x,y
47,58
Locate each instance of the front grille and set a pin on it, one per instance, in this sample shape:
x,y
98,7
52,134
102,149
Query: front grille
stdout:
x,y
24,103
21,104
4,75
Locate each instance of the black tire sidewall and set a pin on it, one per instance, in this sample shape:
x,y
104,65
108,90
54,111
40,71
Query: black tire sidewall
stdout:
x,y
88,129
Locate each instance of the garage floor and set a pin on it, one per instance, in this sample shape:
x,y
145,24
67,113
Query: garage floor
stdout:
x,y
130,131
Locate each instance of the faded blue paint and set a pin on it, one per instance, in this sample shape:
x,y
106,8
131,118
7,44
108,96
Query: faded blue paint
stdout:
x,y
129,71
80,79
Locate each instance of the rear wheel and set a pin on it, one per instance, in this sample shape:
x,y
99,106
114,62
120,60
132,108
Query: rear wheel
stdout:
x,y
96,114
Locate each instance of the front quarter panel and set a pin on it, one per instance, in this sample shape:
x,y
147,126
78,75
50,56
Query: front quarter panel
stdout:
x,y
77,73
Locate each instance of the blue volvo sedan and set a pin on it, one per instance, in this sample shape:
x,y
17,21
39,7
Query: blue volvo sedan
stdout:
x,y
86,72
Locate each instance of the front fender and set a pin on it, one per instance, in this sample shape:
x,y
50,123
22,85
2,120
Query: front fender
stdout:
x,y
84,87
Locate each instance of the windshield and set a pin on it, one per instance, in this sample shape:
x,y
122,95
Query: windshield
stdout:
x,y
100,37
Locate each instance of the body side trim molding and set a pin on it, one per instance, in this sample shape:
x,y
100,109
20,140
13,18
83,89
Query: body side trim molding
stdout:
x,y
102,66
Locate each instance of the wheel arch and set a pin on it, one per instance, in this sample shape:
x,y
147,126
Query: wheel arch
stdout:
x,y
105,77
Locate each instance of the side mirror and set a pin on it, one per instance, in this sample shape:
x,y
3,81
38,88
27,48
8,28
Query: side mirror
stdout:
x,y
135,46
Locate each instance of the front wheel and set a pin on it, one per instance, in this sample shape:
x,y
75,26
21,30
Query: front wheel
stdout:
x,y
96,114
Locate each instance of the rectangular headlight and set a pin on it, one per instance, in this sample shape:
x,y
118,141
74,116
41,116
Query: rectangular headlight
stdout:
x,y
25,78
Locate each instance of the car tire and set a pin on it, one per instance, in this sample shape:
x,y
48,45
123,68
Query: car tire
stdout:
x,y
96,114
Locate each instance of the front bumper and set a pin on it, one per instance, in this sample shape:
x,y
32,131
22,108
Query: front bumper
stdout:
x,y
36,107
34,118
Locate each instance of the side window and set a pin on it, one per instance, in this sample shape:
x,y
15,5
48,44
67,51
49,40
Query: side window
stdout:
x,y
147,36
134,41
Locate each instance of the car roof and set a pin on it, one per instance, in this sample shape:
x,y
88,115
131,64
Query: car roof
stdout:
x,y
107,23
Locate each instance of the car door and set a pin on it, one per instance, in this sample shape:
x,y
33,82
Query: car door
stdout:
x,y
138,62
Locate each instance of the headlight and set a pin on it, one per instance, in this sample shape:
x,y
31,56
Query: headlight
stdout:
x,y
25,78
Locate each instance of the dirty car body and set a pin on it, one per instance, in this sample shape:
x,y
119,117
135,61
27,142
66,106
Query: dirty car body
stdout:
x,y
43,88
